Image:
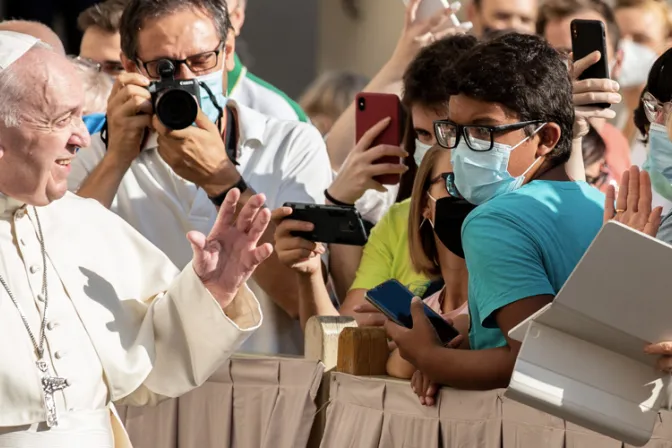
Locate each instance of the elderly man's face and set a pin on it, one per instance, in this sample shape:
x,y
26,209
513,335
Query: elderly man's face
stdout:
x,y
35,156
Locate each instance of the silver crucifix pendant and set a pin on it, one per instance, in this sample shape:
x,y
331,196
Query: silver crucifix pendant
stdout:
x,y
50,384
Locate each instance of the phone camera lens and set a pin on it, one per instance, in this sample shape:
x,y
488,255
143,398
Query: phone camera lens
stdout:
x,y
361,104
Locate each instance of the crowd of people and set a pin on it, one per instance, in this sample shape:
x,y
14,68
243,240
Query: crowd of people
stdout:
x,y
508,170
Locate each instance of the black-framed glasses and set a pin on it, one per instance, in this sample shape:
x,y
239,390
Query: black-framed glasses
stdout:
x,y
449,180
112,68
197,63
478,137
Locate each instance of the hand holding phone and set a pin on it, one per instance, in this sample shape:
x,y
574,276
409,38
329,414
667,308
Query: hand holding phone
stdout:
x,y
394,300
589,36
332,224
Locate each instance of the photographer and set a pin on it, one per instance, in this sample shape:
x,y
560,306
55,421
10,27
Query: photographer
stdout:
x,y
167,180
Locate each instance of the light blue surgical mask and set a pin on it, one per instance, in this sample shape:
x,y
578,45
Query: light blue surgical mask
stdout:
x,y
213,99
420,151
659,162
483,175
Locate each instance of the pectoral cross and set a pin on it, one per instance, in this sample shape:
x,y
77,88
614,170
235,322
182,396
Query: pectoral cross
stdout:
x,y
50,384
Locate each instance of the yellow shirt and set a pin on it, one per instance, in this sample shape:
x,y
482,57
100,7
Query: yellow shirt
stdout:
x,y
386,255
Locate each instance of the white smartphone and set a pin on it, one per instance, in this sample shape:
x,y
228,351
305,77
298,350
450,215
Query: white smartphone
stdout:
x,y
428,8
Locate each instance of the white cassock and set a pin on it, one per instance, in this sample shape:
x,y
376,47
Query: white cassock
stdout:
x,y
112,331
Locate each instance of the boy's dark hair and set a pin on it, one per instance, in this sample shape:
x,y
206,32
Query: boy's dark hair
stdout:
x,y
527,76
105,15
657,85
425,83
137,12
593,147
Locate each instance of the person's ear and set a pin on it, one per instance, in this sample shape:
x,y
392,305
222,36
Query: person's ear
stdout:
x,y
129,66
426,207
230,51
549,136
237,17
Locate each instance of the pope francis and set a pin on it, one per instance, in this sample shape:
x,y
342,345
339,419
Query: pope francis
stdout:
x,y
91,313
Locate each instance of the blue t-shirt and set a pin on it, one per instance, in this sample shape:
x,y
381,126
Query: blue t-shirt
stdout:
x,y
525,243
94,122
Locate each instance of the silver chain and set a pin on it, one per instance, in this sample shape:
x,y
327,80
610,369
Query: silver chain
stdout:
x,y
39,347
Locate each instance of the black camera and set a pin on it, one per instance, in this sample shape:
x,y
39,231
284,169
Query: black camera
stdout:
x,y
361,103
175,102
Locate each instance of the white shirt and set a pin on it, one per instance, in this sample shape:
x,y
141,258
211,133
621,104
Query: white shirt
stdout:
x,y
253,92
374,204
285,160
106,335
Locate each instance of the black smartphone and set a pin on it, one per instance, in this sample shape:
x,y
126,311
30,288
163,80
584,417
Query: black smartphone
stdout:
x,y
333,224
589,36
394,300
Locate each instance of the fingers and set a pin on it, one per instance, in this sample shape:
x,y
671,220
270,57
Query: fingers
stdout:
x,y
645,196
227,211
417,310
292,256
287,226
632,201
435,21
594,112
581,65
247,215
655,218
261,253
378,169
369,136
127,79
380,151
622,200
259,225
127,93
661,348
595,97
456,342
281,213
596,85
394,331
203,122
197,241
427,400
365,308
609,204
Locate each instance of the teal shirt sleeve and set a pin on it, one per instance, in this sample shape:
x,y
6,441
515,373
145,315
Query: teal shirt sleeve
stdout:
x,y
505,263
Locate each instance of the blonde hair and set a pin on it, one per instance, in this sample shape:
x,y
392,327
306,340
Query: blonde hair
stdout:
x,y
97,88
421,242
660,7
331,93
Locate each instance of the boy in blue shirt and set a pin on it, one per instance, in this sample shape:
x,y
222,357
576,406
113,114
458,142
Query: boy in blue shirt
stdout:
x,y
509,130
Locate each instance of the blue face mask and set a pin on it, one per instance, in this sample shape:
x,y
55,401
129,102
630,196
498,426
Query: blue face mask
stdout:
x,y
213,99
659,162
483,175
420,151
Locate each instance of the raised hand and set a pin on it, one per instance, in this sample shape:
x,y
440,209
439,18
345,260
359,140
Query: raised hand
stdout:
x,y
588,92
227,257
424,388
633,205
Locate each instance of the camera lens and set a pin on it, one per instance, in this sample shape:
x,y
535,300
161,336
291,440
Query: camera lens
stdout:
x,y
177,109
361,104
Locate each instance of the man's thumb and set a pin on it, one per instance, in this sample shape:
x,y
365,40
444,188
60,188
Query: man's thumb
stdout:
x,y
417,309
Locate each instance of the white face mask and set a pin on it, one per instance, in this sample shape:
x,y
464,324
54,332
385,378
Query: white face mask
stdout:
x,y
637,62
420,151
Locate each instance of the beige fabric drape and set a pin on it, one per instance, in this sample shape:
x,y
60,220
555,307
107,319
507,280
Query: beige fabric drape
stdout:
x,y
371,412
249,402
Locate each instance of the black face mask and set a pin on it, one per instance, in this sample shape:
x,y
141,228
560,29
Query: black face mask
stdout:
x,y
448,218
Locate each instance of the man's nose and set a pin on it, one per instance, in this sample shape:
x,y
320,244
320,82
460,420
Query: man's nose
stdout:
x,y
80,138
183,72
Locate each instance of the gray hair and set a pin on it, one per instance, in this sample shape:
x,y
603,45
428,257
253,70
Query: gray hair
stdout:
x,y
137,12
14,88
97,88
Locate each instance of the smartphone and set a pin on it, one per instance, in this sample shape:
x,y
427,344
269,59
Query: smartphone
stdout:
x,y
394,300
589,36
333,224
372,108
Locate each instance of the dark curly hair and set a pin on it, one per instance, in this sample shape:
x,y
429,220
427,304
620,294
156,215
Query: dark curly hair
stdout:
x,y
425,83
527,76
659,86
137,12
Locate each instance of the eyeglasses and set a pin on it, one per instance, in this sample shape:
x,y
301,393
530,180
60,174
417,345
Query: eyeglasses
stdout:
x,y
197,63
449,180
656,111
112,68
478,137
